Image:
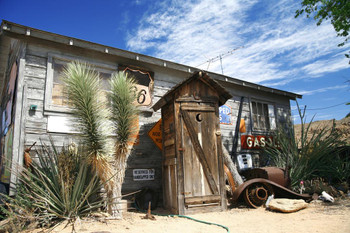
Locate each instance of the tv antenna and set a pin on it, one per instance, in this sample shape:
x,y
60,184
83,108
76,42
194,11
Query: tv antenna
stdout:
x,y
219,57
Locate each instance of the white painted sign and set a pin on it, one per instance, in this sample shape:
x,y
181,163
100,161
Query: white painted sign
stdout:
x,y
60,124
143,174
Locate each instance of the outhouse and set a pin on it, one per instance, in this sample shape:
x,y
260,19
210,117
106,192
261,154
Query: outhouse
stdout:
x,y
193,175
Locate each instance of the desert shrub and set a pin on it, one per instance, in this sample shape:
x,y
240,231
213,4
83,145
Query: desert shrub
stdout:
x,y
316,153
59,185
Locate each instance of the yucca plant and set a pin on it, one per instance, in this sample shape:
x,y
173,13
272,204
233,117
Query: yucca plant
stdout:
x,y
124,118
84,92
45,197
309,156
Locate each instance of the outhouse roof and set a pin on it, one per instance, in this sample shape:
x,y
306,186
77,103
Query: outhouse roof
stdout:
x,y
224,95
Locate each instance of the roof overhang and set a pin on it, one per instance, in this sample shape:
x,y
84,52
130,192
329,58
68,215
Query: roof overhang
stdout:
x,y
9,29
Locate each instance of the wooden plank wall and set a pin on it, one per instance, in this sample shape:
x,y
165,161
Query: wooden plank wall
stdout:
x,y
146,154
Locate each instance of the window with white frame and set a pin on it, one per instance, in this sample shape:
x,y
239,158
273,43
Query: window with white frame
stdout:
x,y
56,98
263,116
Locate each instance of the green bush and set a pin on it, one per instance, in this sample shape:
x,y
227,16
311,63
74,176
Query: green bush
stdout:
x,y
59,185
315,154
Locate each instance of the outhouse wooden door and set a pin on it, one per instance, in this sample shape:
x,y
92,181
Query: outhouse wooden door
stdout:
x,y
199,134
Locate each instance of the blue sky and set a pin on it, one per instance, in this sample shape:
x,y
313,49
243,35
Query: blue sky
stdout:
x,y
278,50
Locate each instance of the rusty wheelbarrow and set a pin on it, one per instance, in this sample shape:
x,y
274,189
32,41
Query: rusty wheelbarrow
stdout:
x,y
262,183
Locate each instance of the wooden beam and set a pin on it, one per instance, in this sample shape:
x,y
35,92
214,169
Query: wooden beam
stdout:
x,y
202,199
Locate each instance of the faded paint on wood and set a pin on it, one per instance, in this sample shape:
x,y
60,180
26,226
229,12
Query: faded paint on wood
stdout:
x,y
146,154
196,122
17,155
200,141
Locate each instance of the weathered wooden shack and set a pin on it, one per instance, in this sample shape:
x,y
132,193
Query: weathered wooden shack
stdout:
x,y
33,104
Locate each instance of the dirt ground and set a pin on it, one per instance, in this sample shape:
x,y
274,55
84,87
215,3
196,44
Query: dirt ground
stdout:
x,y
317,217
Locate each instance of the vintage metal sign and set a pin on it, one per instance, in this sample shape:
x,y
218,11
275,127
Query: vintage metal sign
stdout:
x,y
225,113
156,134
257,142
143,87
143,174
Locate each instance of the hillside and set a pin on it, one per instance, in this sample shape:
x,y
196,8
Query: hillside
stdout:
x,y
342,126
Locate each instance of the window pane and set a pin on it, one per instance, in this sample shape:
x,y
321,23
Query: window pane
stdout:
x,y
267,122
263,116
255,122
260,111
272,117
254,107
262,122
265,110
59,95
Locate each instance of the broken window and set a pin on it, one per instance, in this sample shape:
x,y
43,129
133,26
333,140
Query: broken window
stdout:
x,y
263,115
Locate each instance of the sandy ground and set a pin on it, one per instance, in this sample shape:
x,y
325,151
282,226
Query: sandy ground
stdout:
x,y
318,217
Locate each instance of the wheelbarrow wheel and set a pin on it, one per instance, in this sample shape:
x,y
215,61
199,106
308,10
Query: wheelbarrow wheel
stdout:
x,y
256,194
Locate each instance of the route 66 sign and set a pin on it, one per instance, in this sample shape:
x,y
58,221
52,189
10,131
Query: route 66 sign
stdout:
x,y
143,87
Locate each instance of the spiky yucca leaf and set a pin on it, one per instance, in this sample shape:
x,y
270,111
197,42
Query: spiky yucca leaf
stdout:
x,y
84,93
310,155
123,108
44,195
124,115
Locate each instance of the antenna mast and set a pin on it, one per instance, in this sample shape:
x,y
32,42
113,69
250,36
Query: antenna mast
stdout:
x,y
220,58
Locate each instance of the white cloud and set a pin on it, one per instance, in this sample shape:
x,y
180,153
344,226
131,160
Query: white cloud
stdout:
x,y
329,65
275,43
320,90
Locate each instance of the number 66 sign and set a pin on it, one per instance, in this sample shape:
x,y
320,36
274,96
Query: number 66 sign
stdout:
x,y
143,85
143,96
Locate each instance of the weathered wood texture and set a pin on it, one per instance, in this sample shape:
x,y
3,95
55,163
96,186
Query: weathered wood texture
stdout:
x,y
199,174
145,155
170,199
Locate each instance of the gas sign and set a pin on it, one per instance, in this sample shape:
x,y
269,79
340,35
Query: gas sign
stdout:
x,y
257,142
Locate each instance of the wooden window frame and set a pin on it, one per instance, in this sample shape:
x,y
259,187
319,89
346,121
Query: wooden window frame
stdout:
x,y
271,123
49,107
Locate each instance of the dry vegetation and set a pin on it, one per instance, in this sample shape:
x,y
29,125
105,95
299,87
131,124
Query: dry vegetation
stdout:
x,y
341,126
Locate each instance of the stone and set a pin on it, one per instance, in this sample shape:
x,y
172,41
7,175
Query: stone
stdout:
x,y
287,205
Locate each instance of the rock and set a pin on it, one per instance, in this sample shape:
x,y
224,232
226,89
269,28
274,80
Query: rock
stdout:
x,y
287,205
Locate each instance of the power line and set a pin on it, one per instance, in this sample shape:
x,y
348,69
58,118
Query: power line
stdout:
x,y
314,109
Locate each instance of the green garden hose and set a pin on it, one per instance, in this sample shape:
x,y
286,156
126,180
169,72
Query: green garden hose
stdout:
x,y
200,221
193,219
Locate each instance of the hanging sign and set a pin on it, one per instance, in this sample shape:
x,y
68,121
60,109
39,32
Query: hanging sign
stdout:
x,y
156,134
143,174
225,113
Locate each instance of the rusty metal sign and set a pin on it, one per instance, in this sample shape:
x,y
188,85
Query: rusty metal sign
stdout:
x,y
143,86
257,142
